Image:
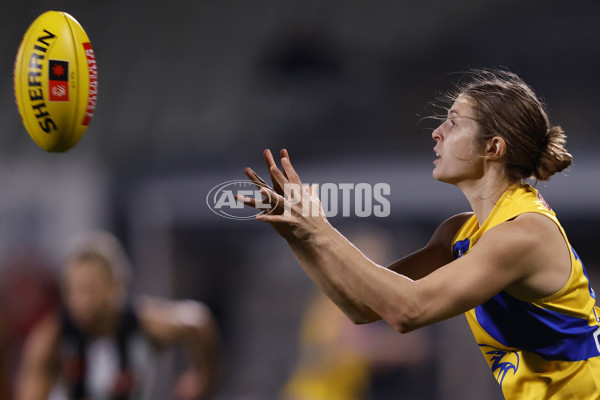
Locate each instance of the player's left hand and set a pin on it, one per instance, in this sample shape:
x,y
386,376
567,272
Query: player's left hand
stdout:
x,y
296,212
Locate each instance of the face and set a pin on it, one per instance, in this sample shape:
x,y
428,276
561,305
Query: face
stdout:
x,y
90,292
458,158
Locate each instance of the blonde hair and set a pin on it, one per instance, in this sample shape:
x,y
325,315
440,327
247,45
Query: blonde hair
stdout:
x,y
103,247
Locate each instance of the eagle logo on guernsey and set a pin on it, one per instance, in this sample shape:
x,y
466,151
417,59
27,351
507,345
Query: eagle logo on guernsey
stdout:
x,y
501,361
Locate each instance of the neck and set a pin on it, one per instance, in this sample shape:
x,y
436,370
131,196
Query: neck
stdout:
x,y
484,193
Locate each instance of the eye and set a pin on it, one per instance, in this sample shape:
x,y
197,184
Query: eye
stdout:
x,y
452,123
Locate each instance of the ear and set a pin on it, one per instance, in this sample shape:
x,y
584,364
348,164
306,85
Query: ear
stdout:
x,y
495,148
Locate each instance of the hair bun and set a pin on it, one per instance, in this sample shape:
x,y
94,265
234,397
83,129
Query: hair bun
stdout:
x,y
555,157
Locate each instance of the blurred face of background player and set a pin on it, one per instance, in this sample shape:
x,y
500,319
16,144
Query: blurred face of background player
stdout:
x,y
91,293
459,157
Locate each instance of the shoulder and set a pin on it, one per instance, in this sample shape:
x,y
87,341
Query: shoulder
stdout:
x,y
528,230
538,246
444,234
454,223
513,235
536,226
527,244
513,256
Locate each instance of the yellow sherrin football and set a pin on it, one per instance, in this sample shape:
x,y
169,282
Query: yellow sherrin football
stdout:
x,y
56,81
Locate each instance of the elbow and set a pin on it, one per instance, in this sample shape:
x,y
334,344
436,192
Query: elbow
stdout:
x,y
405,327
406,320
401,321
362,318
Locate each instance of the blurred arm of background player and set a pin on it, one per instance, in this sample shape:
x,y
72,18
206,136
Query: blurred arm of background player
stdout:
x,y
40,362
190,323
163,321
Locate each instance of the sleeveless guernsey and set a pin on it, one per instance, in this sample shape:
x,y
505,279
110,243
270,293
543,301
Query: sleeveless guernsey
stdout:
x,y
548,348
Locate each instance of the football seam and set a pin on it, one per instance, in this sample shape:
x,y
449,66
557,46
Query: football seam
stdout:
x,y
22,91
65,141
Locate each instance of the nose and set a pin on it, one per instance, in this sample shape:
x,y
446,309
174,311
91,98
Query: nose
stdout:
x,y
437,134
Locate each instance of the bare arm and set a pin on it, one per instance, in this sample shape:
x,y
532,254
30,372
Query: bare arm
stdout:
x,y
39,362
502,257
190,323
416,265
437,252
508,254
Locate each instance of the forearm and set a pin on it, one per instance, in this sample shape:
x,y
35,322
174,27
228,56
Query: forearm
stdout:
x,y
32,388
34,379
191,325
362,289
202,342
39,361
359,287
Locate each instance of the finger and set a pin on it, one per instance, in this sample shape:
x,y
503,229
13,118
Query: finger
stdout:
x,y
275,200
278,177
269,194
253,176
271,198
270,161
314,190
284,153
289,170
249,201
274,218
268,156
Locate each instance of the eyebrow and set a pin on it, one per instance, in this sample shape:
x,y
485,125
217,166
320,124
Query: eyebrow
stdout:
x,y
457,114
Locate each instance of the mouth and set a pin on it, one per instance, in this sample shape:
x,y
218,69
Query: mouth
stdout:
x,y
437,154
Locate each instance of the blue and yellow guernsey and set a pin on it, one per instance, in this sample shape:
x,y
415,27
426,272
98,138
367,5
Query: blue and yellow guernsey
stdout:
x,y
543,349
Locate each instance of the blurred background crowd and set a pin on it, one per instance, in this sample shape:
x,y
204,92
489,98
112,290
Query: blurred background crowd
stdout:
x,y
191,92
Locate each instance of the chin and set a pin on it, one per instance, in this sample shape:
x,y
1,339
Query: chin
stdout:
x,y
437,175
442,178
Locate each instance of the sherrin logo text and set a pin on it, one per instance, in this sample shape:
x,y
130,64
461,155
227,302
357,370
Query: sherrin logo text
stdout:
x,y
34,81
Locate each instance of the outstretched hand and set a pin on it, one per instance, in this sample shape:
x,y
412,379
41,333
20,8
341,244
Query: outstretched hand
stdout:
x,y
296,212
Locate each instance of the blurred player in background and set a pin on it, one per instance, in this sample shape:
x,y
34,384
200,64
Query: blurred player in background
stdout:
x,y
507,264
338,360
101,346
